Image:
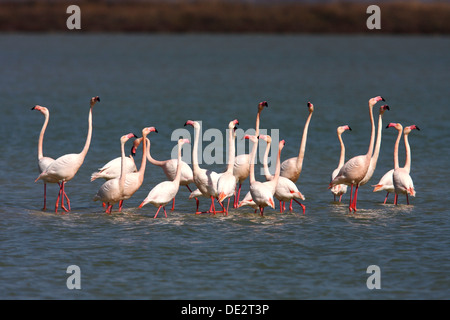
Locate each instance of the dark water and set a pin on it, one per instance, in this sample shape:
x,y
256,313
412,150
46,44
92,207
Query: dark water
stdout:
x,y
163,81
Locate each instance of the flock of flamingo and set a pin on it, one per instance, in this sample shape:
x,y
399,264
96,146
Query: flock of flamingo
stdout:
x,y
123,179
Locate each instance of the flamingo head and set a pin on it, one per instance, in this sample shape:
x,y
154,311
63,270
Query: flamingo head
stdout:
x,y
342,129
42,109
136,144
94,100
374,100
310,107
252,138
147,130
192,123
266,138
232,124
281,145
408,129
397,126
182,141
383,108
126,137
262,105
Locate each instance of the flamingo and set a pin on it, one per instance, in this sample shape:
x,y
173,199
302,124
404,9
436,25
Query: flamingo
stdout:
x,y
285,190
386,182
111,191
64,168
169,168
292,167
165,191
403,183
205,180
376,152
134,180
241,168
112,169
355,169
44,162
262,192
340,189
226,184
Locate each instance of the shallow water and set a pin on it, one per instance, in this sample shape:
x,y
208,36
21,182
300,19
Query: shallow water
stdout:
x,y
162,81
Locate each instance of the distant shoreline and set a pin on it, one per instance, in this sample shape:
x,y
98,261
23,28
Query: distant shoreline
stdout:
x,y
226,17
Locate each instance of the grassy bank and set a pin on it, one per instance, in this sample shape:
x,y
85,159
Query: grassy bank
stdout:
x,y
226,17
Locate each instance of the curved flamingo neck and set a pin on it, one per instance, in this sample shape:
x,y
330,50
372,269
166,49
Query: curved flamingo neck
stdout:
x,y
265,163
195,165
144,158
376,151
178,174
408,153
150,158
231,150
41,136
342,156
396,165
258,115
122,168
252,162
277,168
301,152
372,134
89,135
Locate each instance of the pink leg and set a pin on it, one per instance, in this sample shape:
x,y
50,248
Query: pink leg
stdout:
x,y
355,197
173,204
57,199
62,198
45,197
281,206
407,199
395,199
120,205
301,205
385,199
290,205
157,212
350,202
261,211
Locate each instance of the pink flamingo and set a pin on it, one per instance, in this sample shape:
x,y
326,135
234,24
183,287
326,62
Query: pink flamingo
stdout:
x,y
241,169
44,162
262,192
65,167
226,184
134,180
170,167
376,152
340,189
285,190
112,169
386,182
355,169
205,180
292,167
111,191
403,183
165,191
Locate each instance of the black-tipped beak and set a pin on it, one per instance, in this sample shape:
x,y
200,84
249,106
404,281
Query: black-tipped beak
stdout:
x,y
135,135
387,107
97,98
382,99
387,126
417,128
33,108
349,128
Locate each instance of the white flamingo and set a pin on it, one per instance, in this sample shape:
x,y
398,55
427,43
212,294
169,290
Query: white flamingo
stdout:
x,y
292,167
340,189
112,168
386,182
44,162
169,168
205,180
376,151
403,183
64,168
262,192
134,180
241,169
286,190
226,184
165,191
111,191
355,169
